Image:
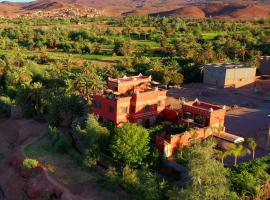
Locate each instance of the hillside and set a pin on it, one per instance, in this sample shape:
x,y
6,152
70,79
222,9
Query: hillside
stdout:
x,y
219,10
239,9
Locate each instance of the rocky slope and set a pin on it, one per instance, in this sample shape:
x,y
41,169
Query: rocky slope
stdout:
x,y
235,9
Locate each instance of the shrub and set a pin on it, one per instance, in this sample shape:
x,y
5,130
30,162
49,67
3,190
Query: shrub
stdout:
x,y
5,104
91,157
58,140
248,178
112,179
130,179
30,163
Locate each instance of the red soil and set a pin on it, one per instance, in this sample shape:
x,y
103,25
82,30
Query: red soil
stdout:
x,y
15,181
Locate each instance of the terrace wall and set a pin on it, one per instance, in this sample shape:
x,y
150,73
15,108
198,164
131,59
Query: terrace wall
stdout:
x,y
180,140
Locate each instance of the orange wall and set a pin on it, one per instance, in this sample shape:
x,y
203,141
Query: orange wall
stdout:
x,y
125,86
178,140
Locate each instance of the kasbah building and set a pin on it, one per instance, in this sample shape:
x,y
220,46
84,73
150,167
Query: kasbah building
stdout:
x,y
139,99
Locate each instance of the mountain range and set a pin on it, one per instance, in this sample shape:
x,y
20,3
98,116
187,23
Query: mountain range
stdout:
x,y
233,9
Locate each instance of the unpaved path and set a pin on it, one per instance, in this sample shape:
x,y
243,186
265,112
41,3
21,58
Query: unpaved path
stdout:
x,y
15,135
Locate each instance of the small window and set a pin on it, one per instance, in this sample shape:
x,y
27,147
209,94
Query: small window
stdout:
x,y
159,103
100,119
95,104
147,108
111,109
132,109
124,110
116,89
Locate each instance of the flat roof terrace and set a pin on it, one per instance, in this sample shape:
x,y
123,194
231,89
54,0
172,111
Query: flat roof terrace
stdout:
x,y
227,65
140,77
203,105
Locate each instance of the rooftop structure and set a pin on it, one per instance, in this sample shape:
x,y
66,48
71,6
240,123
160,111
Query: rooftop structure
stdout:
x,y
229,75
203,114
133,99
200,116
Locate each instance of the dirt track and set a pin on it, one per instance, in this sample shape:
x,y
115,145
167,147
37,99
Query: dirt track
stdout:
x,y
14,136
17,184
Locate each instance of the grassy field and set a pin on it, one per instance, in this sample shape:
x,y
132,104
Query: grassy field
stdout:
x,y
212,35
56,55
61,166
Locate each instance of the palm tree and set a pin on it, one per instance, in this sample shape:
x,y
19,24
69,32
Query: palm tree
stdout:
x,y
219,129
222,155
252,145
242,52
237,151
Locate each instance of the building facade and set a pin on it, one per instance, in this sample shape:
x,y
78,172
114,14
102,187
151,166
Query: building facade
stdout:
x,y
229,75
200,116
265,65
130,99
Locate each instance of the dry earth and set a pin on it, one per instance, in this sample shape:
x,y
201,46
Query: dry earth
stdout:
x,y
17,183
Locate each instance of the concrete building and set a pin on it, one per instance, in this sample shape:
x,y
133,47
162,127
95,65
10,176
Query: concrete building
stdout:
x,y
265,65
132,99
229,75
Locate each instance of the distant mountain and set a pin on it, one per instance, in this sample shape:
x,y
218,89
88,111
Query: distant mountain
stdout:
x,y
220,10
235,9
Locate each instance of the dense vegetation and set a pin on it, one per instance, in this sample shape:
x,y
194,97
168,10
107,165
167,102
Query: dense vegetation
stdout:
x,y
51,68
249,178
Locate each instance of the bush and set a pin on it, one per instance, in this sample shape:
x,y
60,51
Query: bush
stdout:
x,y
248,178
30,163
5,104
142,184
130,179
111,180
91,157
58,140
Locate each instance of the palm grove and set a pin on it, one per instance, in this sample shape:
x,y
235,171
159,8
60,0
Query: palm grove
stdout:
x,y
46,69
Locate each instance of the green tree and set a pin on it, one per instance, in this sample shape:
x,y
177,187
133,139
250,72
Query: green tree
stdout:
x,y
237,151
94,138
218,129
207,177
252,145
222,155
130,144
123,48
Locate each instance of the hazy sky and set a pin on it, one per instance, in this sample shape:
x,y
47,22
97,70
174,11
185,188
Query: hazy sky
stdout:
x,y
16,0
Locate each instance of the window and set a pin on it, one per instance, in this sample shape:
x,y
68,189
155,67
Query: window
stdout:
x,y
97,105
111,109
159,103
147,108
116,89
132,109
124,110
100,119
